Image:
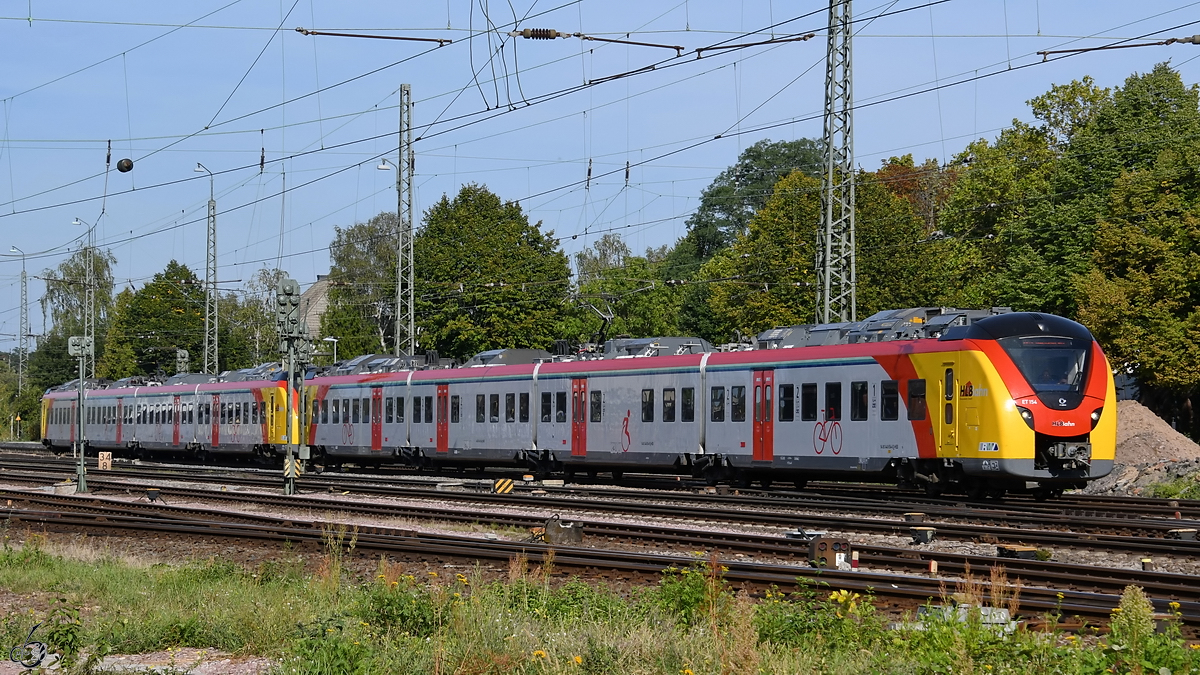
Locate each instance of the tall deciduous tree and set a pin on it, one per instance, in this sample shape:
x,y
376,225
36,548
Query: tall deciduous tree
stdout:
x,y
152,322
486,277
362,291
65,299
726,207
613,280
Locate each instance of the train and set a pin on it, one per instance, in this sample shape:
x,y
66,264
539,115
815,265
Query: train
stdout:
x,y
980,402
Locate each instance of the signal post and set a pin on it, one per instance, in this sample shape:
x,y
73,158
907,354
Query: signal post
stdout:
x,y
295,350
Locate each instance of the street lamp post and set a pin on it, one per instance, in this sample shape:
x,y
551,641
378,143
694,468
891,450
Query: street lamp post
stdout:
x,y
334,341
24,337
210,279
89,310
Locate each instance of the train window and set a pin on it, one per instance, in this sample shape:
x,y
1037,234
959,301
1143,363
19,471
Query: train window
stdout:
x,y
314,419
833,401
808,402
336,418
494,408
668,405
717,404
647,405
481,409
688,395
455,405
416,410
889,394
354,411
428,410
916,399
596,411
523,407
546,407
949,413
560,406
246,412
858,401
510,407
787,402
389,410
366,411
949,385
345,411
737,404
324,412
399,408
262,411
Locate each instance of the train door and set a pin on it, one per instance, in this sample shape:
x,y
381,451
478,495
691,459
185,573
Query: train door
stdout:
x,y
764,420
216,420
948,420
579,412
377,418
175,409
443,418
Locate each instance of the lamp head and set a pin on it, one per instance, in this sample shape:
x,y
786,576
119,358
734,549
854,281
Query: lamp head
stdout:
x,y
13,249
77,222
199,168
383,166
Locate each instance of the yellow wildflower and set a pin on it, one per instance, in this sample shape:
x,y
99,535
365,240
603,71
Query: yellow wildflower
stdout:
x,y
1173,605
539,654
433,574
578,660
686,671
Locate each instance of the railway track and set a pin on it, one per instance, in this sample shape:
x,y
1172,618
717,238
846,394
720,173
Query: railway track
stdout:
x,y
1148,538
882,498
72,513
1161,585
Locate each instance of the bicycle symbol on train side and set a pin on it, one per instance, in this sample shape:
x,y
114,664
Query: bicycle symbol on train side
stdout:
x,y
827,435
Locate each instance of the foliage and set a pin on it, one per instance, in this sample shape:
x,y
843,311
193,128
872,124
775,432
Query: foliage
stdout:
x,y
767,278
151,323
409,620
65,298
362,287
610,280
726,208
1184,487
486,278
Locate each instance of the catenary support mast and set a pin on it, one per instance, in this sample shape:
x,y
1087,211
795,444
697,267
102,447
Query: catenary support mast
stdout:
x,y
835,264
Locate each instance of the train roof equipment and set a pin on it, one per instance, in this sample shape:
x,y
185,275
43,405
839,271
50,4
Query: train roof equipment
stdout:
x,y
895,324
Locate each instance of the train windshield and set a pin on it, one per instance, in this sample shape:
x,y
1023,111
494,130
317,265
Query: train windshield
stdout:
x,y
1050,363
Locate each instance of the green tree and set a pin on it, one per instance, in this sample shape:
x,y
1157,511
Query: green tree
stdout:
x,y
66,291
726,207
362,292
612,280
248,318
767,278
152,322
486,278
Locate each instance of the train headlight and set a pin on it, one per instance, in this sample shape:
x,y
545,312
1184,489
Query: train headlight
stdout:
x,y
1096,416
1026,415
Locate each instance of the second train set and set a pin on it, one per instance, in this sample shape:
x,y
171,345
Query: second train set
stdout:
x,y
974,401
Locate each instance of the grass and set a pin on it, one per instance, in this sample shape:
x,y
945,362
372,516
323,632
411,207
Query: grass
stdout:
x,y
1184,487
530,621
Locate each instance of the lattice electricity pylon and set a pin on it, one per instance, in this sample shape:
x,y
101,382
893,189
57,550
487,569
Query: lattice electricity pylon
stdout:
x,y
835,262
211,360
405,273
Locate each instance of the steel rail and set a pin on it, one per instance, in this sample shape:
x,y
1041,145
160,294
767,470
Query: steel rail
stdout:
x,y
753,576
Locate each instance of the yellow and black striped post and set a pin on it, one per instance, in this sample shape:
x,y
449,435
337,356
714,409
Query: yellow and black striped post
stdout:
x,y
502,486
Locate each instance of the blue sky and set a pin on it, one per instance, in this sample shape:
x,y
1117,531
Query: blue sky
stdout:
x,y
226,83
